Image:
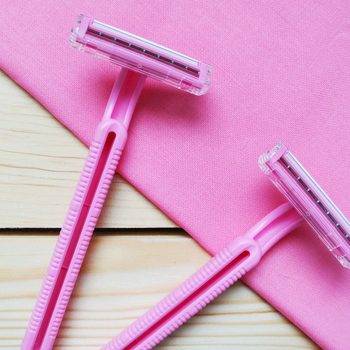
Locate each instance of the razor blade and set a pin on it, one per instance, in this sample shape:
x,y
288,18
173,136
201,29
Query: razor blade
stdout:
x,y
291,178
133,52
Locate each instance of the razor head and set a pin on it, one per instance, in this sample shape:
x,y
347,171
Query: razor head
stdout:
x,y
309,199
141,55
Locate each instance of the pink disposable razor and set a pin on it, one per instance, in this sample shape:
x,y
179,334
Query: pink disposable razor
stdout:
x,y
229,265
139,58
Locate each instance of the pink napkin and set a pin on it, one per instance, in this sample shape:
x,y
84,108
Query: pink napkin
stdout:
x,y
281,71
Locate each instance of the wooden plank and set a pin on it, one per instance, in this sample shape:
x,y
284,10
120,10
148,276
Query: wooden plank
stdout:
x,y
40,163
122,277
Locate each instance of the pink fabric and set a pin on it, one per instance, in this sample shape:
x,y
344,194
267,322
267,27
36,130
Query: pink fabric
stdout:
x,y
281,71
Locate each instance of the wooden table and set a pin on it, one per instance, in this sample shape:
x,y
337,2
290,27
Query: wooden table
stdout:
x,y
137,255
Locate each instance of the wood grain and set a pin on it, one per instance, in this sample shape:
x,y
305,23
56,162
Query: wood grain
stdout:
x,y
40,163
122,277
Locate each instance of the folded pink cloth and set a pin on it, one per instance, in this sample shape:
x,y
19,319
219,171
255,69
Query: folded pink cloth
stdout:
x,y
281,71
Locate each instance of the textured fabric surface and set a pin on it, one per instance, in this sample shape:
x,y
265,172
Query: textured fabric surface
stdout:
x,y
281,71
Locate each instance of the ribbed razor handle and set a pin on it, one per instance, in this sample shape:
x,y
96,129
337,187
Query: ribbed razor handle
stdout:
x,y
74,238
189,298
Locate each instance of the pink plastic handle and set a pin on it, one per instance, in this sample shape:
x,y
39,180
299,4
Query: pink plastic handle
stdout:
x,y
222,271
85,208
189,298
75,235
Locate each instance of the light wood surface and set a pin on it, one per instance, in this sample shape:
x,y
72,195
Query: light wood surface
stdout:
x,y
125,272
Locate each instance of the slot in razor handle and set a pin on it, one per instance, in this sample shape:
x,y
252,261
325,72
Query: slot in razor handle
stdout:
x,y
219,273
75,235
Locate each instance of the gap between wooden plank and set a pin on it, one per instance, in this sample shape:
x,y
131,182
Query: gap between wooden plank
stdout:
x,y
54,231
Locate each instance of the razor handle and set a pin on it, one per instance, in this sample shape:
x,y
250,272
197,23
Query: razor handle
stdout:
x,y
90,194
219,273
